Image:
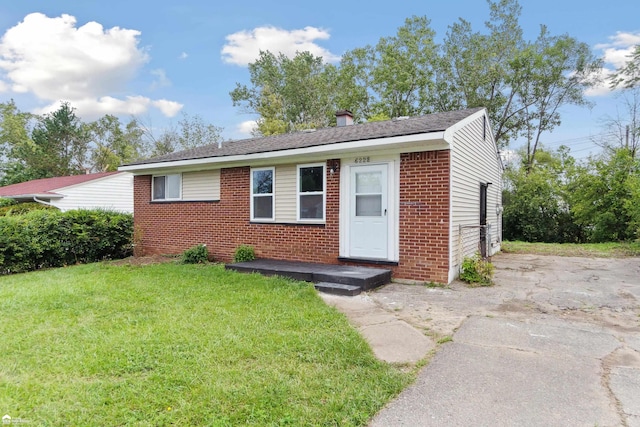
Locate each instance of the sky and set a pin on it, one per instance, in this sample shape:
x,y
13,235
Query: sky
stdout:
x,y
156,60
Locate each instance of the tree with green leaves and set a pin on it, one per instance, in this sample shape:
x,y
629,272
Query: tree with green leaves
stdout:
x,y
536,202
288,93
523,84
393,78
60,144
402,71
628,76
190,132
605,197
623,129
559,200
194,132
55,144
15,129
114,145
560,68
477,69
354,91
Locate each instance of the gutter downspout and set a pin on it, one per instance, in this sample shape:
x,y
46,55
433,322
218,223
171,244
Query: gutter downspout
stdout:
x,y
42,202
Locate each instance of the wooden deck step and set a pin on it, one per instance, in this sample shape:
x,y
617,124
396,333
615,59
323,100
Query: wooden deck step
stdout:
x,y
338,288
351,277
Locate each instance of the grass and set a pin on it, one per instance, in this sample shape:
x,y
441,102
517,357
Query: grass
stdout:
x,y
433,285
598,250
171,344
445,339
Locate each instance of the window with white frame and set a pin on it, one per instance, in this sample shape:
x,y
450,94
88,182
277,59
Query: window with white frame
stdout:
x,y
167,187
311,194
262,194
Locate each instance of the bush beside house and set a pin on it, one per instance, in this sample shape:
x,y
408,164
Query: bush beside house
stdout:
x,y
5,201
23,208
45,238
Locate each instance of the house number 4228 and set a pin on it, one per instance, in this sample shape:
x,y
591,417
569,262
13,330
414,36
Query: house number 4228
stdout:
x,y
363,159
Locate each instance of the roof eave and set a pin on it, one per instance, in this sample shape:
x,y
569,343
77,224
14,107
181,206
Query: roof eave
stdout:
x,y
406,143
37,195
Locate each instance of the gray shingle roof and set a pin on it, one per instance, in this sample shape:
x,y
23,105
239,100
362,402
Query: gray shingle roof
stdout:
x,y
436,122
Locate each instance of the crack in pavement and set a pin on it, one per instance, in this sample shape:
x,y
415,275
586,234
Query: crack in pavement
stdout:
x,y
623,358
606,383
597,311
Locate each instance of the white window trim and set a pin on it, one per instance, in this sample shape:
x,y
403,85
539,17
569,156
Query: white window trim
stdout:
x,y
272,194
166,199
312,193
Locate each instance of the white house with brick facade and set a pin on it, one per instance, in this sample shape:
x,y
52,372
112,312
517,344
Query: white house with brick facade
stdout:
x,y
415,194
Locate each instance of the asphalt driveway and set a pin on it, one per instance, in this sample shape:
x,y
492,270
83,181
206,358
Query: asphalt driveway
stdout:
x,y
555,342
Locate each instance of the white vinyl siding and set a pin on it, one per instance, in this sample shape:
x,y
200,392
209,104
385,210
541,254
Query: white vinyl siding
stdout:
x,y
114,192
474,160
201,185
286,193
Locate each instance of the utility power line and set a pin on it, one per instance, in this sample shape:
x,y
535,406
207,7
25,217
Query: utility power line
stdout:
x,y
579,140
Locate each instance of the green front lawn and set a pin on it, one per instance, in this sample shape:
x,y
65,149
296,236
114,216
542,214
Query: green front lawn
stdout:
x,y
171,344
598,250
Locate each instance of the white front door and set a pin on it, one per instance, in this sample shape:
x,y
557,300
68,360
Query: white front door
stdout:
x,y
368,212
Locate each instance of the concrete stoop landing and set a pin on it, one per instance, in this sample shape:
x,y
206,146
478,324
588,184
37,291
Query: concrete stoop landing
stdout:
x,y
328,278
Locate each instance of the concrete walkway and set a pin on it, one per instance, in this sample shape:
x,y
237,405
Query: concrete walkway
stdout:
x,y
392,340
501,372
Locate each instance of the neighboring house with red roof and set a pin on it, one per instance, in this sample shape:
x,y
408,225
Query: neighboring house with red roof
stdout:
x,y
414,194
105,190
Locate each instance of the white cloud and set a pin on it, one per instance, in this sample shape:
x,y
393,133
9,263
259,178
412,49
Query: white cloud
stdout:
x,y
509,157
87,65
131,105
168,108
615,54
183,55
244,47
161,79
247,127
601,86
621,39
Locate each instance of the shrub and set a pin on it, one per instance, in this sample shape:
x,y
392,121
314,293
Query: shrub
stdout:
x,y
477,271
195,255
5,201
50,238
22,208
244,253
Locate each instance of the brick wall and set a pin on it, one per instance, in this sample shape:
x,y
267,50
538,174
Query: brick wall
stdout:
x,y
170,228
424,216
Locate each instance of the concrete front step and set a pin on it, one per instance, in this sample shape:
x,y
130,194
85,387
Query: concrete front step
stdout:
x,y
364,278
338,288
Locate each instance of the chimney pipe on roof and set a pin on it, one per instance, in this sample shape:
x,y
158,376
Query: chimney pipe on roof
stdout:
x,y
344,118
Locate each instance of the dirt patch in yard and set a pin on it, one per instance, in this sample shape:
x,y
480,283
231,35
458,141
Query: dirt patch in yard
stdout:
x,y
144,260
